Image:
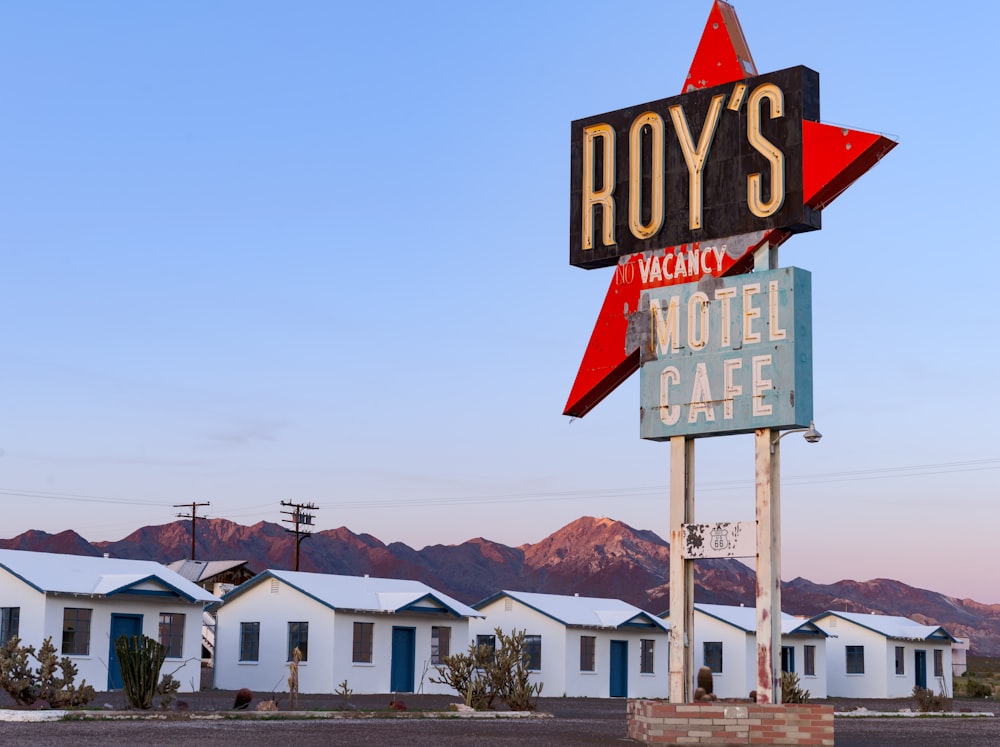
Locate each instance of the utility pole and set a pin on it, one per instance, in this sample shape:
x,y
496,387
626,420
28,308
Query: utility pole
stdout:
x,y
193,516
300,518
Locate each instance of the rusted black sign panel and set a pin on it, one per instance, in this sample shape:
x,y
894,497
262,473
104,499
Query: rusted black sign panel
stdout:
x,y
701,166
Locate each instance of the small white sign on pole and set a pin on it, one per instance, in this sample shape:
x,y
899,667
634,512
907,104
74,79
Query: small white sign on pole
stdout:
x,y
726,539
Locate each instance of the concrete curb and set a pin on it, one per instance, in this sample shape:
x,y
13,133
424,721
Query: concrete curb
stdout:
x,y
104,715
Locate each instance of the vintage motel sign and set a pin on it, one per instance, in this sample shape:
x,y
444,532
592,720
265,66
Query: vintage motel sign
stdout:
x,y
728,356
651,231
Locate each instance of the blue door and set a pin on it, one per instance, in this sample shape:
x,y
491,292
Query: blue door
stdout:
x,y
920,668
619,669
121,625
403,659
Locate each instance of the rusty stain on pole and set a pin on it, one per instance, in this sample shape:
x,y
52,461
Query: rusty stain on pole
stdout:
x,y
681,569
768,500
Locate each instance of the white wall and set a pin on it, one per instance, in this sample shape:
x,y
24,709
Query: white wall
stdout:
x,y
815,683
331,641
738,676
94,666
560,672
880,679
871,684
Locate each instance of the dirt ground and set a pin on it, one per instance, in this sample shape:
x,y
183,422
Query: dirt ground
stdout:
x,y
563,722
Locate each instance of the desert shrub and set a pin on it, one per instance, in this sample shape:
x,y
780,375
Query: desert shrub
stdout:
x,y
483,674
977,689
791,692
140,659
927,700
51,681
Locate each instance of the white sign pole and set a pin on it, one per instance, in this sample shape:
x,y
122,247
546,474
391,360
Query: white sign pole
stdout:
x,y
681,569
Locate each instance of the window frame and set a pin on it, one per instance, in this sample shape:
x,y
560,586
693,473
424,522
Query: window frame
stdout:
x,y
854,655
938,663
900,657
710,659
647,650
298,636
440,644
10,624
588,653
363,643
250,641
788,659
78,637
533,652
808,661
171,633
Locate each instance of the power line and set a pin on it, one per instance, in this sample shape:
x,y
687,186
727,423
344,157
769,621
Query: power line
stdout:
x,y
300,518
919,470
193,517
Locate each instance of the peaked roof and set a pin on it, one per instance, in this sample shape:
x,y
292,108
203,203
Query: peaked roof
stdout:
x,y
891,626
199,570
745,618
52,573
582,612
362,593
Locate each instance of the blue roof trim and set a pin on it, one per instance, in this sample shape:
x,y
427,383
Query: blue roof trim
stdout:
x,y
502,594
171,589
933,634
264,576
21,578
730,623
412,607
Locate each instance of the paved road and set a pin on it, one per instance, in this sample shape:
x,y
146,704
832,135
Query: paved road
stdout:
x,y
573,722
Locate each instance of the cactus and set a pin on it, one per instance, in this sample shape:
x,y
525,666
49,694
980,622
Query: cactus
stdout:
x,y
140,660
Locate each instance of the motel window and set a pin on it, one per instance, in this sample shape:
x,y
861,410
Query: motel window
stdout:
x,y
588,647
298,638
172,633
809,663
10,624
249,641
646,655
938,663
900,660
533,652
855,659
76,631
713,656
363,641
440,643
489,641
787,658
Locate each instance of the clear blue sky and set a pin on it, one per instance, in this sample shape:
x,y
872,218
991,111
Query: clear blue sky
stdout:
x,y
317,251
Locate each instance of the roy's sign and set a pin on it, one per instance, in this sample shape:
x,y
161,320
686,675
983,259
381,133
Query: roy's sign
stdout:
x,y
704,165
727,355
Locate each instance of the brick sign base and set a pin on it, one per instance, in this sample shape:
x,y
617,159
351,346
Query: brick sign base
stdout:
x,y
657,722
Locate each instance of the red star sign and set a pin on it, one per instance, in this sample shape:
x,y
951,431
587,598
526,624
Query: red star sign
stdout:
x,y
833,158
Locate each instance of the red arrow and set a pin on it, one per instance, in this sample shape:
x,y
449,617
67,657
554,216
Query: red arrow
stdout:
x,y
833,159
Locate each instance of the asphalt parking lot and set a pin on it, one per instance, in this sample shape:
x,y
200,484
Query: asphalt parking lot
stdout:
x,y
561,721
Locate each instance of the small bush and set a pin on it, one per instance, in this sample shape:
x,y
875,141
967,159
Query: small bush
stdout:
x,y
483,674
928,701
977,689
790,690
52,681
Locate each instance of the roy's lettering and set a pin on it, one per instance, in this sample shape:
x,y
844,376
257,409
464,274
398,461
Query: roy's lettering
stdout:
x,y
698,167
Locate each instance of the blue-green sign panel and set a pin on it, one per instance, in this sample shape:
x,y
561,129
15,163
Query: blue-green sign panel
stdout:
x,y
726,355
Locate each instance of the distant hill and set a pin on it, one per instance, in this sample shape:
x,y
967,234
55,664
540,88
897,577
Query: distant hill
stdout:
x,y
590,556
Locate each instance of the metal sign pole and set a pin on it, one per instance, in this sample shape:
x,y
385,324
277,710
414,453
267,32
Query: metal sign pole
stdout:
x,y
768,499
681,569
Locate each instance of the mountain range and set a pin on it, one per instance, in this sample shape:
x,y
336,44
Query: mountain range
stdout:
x,y
590,556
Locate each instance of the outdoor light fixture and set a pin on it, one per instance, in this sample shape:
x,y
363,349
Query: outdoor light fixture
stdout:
x,y
810,434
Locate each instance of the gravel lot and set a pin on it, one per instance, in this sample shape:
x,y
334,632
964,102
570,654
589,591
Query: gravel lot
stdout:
x,y
570,721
